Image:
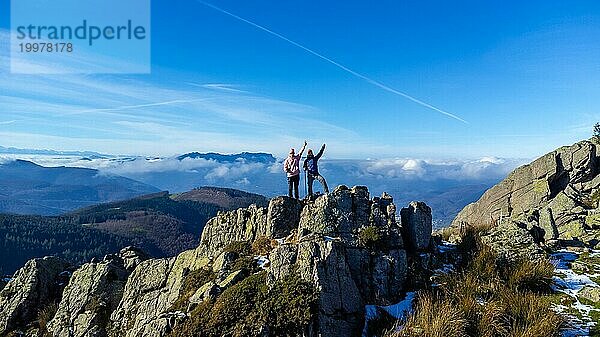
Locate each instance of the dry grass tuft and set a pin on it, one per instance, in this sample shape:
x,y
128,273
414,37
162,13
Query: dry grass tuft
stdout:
x,y
263,245
486,297
434,317
526,275
45,315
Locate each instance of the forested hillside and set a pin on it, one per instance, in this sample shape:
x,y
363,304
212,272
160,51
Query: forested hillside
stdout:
x,y
161,224
23,237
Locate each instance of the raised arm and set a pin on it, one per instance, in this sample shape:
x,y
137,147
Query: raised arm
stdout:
x,y
303,148
320,152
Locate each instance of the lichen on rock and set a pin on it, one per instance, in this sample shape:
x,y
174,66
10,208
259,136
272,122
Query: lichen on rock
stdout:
x,y
36,285
557,193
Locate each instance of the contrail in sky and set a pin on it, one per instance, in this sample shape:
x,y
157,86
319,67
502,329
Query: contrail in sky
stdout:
x,y
341,66
129,107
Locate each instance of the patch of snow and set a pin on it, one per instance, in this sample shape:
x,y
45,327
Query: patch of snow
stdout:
x,y
280,241
572,282
177,314
399,310
329,238
180,314
262,261
7,279
569,282
577,328
563,259
446,247
402,308
447,268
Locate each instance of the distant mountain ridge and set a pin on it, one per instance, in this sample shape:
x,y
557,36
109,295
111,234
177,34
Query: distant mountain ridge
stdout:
x,y
255,157
89,154
28,188
445,185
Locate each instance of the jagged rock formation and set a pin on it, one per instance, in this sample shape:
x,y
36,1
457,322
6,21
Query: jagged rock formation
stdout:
x,y
93,293
556,197
132,257
244,224
247,224
348,271
417,217
36,285
348,246
150,292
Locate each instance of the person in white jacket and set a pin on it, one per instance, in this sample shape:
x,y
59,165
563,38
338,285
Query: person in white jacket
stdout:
x,y
291,166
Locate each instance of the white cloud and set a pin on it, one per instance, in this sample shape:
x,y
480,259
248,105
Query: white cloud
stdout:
x,y
391,169
6,159
408,168
243,181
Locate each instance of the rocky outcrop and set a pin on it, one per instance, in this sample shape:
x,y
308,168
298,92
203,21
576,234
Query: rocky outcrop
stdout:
x,y
93,293
347,271
417,225
322,243
347,278
247,224
244,224
350,247
283,216
334,213
512,243
557,195
35,286
132,257
340,303
150,292
592,294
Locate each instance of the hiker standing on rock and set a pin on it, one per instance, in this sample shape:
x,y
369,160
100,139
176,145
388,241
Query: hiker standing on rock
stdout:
x,y
311,166
291,166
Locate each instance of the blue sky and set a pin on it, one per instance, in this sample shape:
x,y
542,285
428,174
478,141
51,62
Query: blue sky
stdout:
x,y
525,77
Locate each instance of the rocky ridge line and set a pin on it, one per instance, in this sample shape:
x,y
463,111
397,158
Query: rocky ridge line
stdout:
x,y
349,246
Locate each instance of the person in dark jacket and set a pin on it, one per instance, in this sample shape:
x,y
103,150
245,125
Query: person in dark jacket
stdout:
x,y
311,165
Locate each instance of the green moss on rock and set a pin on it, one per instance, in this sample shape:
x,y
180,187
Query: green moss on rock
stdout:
x,y
571,230
191,283
238,247
541,186
250,308
593,220
370,236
